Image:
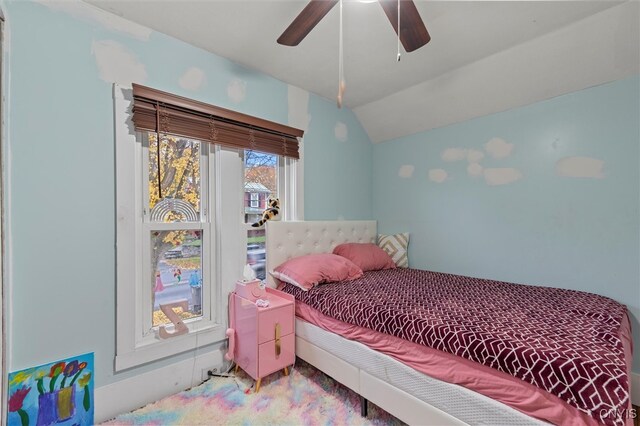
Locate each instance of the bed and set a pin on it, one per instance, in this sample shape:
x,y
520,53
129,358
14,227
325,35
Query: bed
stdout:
x,y
402,388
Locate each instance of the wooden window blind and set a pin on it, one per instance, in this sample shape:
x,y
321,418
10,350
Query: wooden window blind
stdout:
x,y
161,112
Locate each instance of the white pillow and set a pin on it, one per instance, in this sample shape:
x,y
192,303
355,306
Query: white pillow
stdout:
x,y
396,246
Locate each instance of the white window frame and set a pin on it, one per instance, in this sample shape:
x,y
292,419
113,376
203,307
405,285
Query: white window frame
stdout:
x,y
291,186
207,247
136,342
252,199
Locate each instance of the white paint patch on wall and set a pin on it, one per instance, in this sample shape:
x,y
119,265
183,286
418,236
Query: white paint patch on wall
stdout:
x,y
89,13
237,90
192,79
474,156
406,171
438,175
474,170
501,176
298,100
498,148
580,167
454,154
117,64
341,131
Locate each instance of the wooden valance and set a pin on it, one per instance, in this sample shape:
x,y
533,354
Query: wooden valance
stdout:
x,y
157,111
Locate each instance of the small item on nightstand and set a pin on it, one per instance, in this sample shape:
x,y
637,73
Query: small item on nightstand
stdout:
x,y
248,274
251,290
260,291
262,303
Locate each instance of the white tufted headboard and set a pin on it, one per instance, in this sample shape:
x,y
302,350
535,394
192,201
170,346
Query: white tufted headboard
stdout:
x,y
290,239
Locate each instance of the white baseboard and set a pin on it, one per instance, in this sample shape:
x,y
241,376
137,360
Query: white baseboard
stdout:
x,y
635,388
135,392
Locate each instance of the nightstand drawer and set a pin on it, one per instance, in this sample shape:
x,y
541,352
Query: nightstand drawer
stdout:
x,y
268,319
268,359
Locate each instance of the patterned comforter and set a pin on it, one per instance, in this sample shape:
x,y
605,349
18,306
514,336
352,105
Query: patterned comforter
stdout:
x,y
565,342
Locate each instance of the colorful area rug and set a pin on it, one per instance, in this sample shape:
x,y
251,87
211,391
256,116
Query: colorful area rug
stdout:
x,y
305,397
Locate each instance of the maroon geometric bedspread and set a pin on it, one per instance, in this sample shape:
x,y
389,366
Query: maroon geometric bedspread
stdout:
x,y
565,342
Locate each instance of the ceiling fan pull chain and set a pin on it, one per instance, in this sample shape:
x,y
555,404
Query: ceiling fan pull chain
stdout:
x,y
398,30
341,83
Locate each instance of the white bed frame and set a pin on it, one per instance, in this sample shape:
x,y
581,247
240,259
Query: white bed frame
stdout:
x,y
290,239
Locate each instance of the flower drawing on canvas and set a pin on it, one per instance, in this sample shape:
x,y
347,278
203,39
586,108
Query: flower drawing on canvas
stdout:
x,y
15,404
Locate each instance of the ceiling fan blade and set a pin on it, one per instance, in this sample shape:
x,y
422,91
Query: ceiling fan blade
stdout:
x,y
305,21
413,33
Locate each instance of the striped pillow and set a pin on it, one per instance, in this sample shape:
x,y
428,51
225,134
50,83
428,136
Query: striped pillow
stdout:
x,y
396,246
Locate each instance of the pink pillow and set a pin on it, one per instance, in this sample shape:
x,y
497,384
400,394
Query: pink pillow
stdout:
x,y
369,257
307,271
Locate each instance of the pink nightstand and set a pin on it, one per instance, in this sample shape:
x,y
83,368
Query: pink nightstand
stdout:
x,y
262,340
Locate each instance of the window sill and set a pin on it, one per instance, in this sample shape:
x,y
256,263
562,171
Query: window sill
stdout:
x,y
157,349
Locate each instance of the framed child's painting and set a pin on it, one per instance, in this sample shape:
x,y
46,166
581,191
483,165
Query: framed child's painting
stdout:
x,y
59,393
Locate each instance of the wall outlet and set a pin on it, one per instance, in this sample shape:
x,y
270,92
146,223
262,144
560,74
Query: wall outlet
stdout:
x,y
205,372
218,370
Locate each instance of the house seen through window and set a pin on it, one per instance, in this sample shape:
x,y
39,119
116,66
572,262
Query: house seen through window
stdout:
x,y
261,171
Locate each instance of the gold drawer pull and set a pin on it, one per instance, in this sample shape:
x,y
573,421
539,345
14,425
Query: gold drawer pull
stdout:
x,y
278,340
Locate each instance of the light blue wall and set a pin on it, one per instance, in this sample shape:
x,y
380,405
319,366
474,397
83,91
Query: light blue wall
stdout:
x,y
61,181
545,229
335,164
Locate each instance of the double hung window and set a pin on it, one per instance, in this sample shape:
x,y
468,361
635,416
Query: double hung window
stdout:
x,y
177,231
165,256
172,180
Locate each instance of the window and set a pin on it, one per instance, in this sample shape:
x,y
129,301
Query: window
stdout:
x,y
177,231
175,228
255,200
167,246
261,177
172,248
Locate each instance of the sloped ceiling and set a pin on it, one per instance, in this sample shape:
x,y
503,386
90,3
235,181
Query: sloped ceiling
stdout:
x,y
484,57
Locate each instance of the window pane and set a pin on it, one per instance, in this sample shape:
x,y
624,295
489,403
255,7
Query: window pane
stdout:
x,y
175,195
177,273
260,183
256,252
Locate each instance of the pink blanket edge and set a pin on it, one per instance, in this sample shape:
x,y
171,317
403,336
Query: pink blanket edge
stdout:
x,y
502,387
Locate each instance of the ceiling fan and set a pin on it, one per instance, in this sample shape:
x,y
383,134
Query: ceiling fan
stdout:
x,y
413,34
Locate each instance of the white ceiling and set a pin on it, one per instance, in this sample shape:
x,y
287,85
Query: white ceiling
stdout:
x,y
463,33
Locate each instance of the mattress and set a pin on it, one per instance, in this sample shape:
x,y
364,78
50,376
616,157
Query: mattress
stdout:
x,y
565,342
